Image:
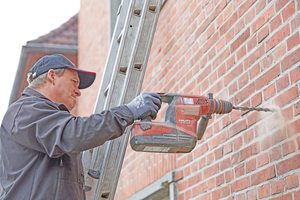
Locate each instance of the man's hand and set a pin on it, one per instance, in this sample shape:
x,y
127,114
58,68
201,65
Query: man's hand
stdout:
x,y
144,105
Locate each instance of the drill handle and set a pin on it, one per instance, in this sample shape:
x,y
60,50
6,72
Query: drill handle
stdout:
x,y
202,125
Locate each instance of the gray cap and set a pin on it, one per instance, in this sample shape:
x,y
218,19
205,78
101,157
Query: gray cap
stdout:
x,y
58,61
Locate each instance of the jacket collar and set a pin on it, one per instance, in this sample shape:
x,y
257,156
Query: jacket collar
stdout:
x,y
29,92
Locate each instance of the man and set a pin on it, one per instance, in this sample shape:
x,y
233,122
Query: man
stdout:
x,y
42,141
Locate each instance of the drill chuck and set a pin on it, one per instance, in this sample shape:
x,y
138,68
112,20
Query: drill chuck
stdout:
x,y
222,106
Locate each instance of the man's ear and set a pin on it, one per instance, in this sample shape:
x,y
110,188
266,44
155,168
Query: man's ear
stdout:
x,y
51,75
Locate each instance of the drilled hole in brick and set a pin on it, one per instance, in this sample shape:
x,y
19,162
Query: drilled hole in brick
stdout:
x,y
105,195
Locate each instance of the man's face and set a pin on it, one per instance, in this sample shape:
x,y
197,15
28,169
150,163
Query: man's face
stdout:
x,y
67,88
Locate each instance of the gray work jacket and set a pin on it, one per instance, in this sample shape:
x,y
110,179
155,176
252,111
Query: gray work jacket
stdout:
x,y
41,145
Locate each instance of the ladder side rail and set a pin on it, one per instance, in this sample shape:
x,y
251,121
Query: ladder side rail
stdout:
x,y
106,78
106,188
115,86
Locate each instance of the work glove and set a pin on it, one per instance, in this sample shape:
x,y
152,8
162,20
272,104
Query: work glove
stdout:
x,y
145,105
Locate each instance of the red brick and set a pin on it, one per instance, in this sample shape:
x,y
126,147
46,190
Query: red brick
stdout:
x,y
288,164
293,41
275,153
288,11
211,171
188,194
277,187
221,193
262,160
179,175
211,42
254,71
275,23
295,23
217,140
295,75
256,99
289,95
245,6
201,163
219,180
268,76
245,93
279,52
253,118
291,181
235,158
279,4
224,164
200,150
228,24
277,37
195,179
250,60
260,5
239,170
291,59
251,194
240,197
284,197
210,158
266,62
229,176
182,185
240,184
239,25
252,43
218,9
269,91
263,175
288,147
243,80
272,139
250,15
293,128
262,19
225,54
251,165
237,143
241,52
232,88
227,148
219,153
248,136
263,191
297,195
234,73
240,40
211,183
262,34
227,11
282,82
297,108
229,35
249,151
187,171
236,128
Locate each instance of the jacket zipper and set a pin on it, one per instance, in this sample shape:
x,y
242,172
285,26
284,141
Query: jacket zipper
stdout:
x,y
61,162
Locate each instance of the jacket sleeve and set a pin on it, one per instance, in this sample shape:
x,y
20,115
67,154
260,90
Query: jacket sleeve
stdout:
x,y
41,127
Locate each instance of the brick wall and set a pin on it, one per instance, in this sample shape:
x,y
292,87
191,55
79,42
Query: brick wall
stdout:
x,y
93,45
246,52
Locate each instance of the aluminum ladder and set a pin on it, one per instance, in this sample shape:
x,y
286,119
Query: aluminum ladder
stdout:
x,y
122,80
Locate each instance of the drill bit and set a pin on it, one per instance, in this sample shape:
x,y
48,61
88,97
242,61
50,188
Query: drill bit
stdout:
x,y
254,108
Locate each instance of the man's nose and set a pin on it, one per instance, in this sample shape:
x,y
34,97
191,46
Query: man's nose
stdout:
x,y
77,92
